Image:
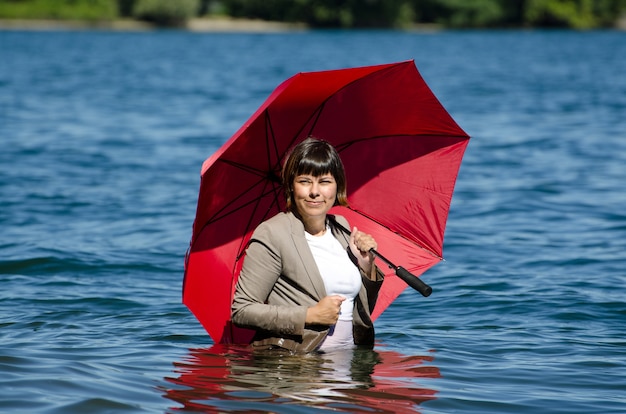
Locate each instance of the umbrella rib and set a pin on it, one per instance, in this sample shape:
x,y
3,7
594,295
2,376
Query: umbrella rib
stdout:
x,y
268,125
271,175
344,146
417,244
218,216
321,106
318,111
241,248
244,167
317,118
315,114
266,177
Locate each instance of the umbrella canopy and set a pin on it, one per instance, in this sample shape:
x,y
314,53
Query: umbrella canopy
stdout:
x,y
401,151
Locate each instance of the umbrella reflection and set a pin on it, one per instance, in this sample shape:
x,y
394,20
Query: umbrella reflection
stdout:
x,y
227,378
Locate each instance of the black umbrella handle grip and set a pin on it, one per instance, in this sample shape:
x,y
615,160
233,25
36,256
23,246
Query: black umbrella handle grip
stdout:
x,y
413,281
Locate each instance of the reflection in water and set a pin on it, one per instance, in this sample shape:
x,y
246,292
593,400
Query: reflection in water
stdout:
x,y
232,379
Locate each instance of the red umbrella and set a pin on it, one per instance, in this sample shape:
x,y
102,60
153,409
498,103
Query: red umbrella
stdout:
x,y
401,151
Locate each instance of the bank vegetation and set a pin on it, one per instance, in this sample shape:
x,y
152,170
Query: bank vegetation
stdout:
x,y
403,14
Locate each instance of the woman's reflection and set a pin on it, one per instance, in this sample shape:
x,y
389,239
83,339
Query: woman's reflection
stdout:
x,y
231,379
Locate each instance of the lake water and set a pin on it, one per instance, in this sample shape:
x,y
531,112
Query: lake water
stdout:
x,y
103,135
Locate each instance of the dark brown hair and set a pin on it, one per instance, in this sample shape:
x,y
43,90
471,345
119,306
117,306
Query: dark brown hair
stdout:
x,y
315,157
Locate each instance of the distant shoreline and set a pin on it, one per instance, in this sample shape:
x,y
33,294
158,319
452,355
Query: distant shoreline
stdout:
x,y
194,25
200,25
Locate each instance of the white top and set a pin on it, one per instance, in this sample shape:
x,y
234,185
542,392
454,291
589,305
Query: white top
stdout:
x,y
341,277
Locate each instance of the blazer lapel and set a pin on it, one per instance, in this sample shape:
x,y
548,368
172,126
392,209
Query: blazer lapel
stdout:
x,y
305,255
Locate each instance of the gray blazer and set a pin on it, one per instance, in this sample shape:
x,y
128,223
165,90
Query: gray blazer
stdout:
x,y
280,280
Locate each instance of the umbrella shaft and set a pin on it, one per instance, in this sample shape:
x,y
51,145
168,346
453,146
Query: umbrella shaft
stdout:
x,y
383,258
410,279
373,251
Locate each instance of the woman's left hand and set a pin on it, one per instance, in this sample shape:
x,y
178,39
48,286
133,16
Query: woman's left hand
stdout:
x,y
361,245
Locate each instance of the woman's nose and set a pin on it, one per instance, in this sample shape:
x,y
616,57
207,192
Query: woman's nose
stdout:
x,y
314,190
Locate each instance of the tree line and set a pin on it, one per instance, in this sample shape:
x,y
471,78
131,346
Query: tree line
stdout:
x,y
578,14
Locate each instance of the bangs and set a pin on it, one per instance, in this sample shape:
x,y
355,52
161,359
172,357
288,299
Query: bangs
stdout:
x,y
314,167
318,161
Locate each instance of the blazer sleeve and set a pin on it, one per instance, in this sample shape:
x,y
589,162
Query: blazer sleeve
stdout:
x,y
261,270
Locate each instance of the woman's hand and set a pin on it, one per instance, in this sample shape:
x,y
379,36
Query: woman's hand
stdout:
x,y
360,246
326,311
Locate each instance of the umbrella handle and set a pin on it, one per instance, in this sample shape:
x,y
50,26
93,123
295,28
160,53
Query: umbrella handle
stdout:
x,y
414,281
409,278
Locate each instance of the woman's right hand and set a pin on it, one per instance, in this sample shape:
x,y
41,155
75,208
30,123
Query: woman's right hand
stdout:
x,y
326,311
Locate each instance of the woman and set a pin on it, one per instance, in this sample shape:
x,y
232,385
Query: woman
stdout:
x,y
304,284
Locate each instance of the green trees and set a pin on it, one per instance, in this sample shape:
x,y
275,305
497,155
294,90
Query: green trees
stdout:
x,y
165,12
59,9
327,13
460,13
578,14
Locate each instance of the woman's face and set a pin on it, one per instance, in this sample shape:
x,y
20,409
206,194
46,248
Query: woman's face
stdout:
x,y
314,196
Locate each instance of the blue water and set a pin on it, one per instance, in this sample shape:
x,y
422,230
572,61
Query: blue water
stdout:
x,y
103,136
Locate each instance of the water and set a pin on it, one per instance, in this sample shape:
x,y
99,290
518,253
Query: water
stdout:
x,y
103,135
